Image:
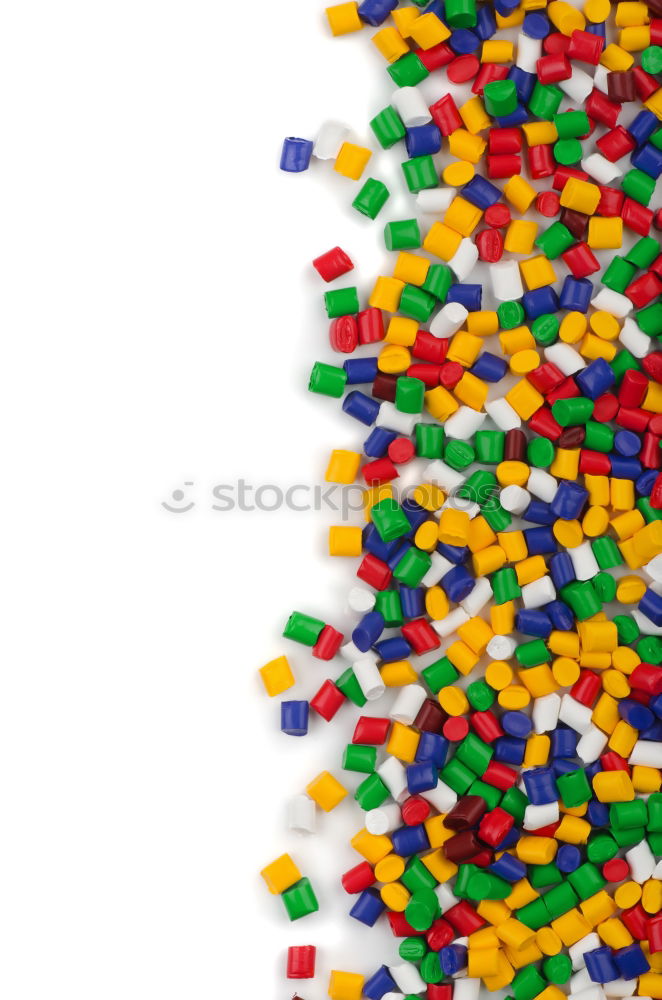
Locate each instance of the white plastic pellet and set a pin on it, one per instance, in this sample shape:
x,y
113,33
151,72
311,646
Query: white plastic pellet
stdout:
x,y
501,647
542,485
407,705
600,168
646,626
591,745
351,652
384,819
658,871
575,715
396,420
451,622
578,86
407,978
329,139
369,678
654,568
411,106
538,593
620,987
463,424
454,502
442,797
612,302
600,79
464,259
394,776
581,979
478,597
633,339
393,996
577,951
438,568
361,600
514,499
565,358
506,281
449,319
440,474
504,416
590,993
584,562
545,713
435,201
445,896
301,814
646,753
466,989
535,817
529,51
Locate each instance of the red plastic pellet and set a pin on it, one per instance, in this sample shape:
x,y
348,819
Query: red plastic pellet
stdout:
x,y
495,825
401,450
487,726
644,289
371,326
504,166
563,174
504,140
328,700
498,215
652,365
541,162
568,389
301,961
616,143
437,57
488,73
637,217
500,775
415,810
428,374
645,83
333,264
456,729
611,201
542,422
545,377
555,43
371,732
450,374
440,934
553,67
400,927
632,388
633,419
548,204
605,408
464,918
586,688
594,463
374,572
601,109
650,455
654,932
427,347
581,260
445,115
328,643
636,920
490,244
344,334
647,678
462,69
421,636
585,47
616,870
382,470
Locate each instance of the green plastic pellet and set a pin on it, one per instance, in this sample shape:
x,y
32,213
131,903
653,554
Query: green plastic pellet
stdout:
x,y
599,437
300,900
389,519
341,302
510,314
416,303
655,843
429,440
533,653
555,240
409,393
500,97
459,454
605,587
540,453
350,687
626,815
475,754
656,138
534,915
622,363
638,185
607,553
650,319
489,793
388,603
422,910
643,253
438,280
514,801
327,380
402,235
601,847
457,776
388,127
628,630
479,487
649,513
490,446
560,899
651,59
528,983
464,875
371,793
574,788
461,14
497,518
587,880
485,885
359,758
618,274
650,650
480,695
440,674
416,876
629,838
420,172
302,628
557,969
654,804
371,198
545,100
543,876
545,329
407,71
412,949
413,566
574,411
505,586
430,970
582,598
572,124
568,151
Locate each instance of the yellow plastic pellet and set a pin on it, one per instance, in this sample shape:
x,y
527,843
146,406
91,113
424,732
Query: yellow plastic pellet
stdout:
x,y
613,786
437,863
352,160
616,59
458,173
440,403
497,52
428,30
565,671
475,118
345,985
595,522
572,328
565,464
628,524
566,17
513,544
387,293
518,339
402,742
536,850
548,941
498,675
488,560
390,43
603,323
479,534
597,11
646,780
654,103
464,348
393,359
598,490
531,569
635,39
441,241
398,673
453,701
524,399
621,494
476,633
615,684
482,962
412,269
582,196
512,20
373,495
277,676
630,589
280,874
345,540
539,680
465,146
564,643
390,868
426,537
371,846
462,216
429,496
403,18
627,895
571,927
483,323
436,603
537,272
502,618
605,234
462,657
453,526
569,534
650,985
514,697
536,752
598,637
513,932
493,910
503,978
540,133
401,330
519,193
344,18
598,907
653,398
593,347
520,236
326,791
614,933
343,466
573,830
623,739
523,362
395,896
512,473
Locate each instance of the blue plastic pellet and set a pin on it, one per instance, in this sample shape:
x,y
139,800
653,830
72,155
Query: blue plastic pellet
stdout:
x,y
422,140
600,965
533,622
375,12
422,777
368,630
373,543
642,127
457,584
464,41
597,29
396,556
509,868
563,742
569,501
480,192
656,705
360,371
379,984
469,296
412,601
294,717
506,7
561,570
635,714
524,83
517,117
377,442
645,482
649,159
597,813
651,606
568,858
631,961
509,750
361,407
489,367
576,294
432,747
536,25
393,649
540,541
516,724
456,554
486,25
296,154
561,767
591,770
540,302
410,840
627,443
540,785
368,908
625,468
414,513
453,959
653,732
539,512
562,617
596,379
